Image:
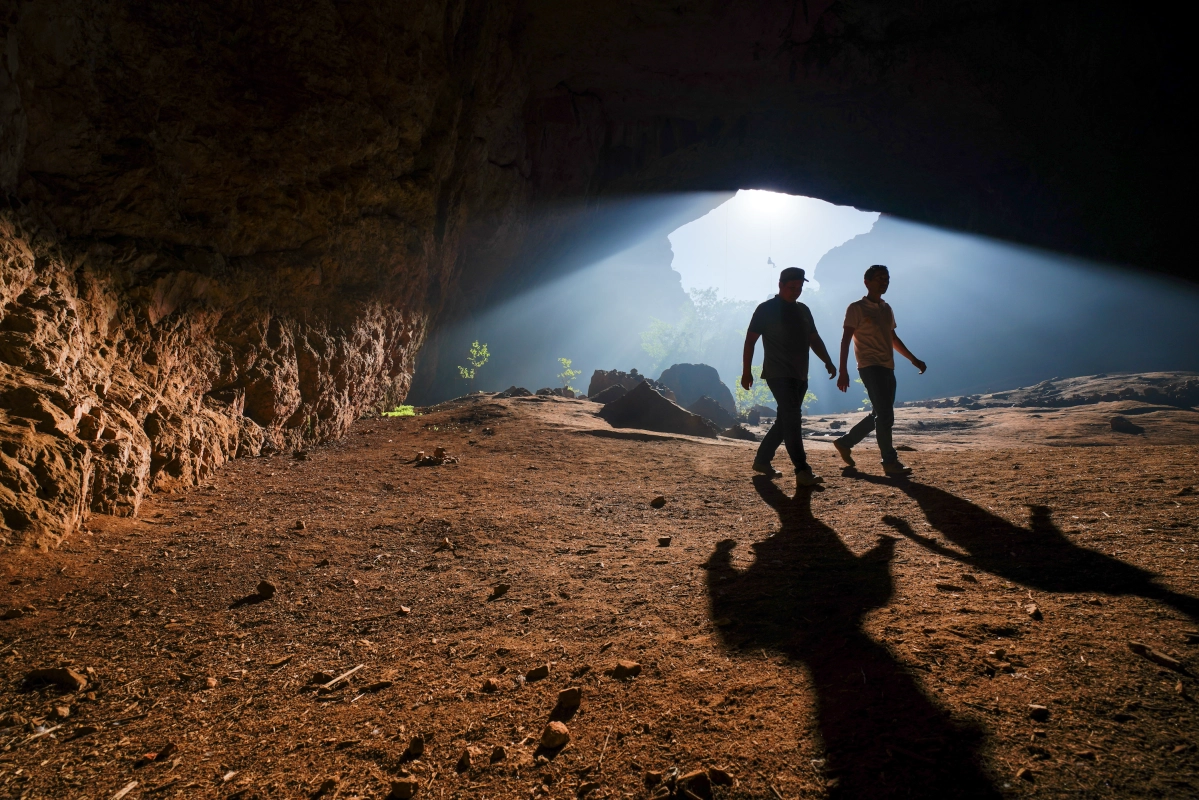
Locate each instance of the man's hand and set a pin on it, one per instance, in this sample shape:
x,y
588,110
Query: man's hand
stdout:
x,y
832,371
747,380
843,381
918,364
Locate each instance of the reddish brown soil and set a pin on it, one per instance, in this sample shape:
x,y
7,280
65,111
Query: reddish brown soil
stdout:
x,y
843,642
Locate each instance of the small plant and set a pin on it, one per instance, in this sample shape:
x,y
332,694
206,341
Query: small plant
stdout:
x,y
809,398
476,357
401,411
567,374
758,395
865,400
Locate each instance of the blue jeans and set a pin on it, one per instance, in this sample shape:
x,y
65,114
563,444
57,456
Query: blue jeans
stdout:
x,y
880,387
788,395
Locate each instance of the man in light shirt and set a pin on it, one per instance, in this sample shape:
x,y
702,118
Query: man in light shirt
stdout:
x,y
870,324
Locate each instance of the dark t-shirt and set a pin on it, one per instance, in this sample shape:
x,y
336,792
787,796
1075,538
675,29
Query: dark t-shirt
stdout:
x,y
784,328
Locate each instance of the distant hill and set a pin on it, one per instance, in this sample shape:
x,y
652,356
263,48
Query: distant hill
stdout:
x,y
1178,389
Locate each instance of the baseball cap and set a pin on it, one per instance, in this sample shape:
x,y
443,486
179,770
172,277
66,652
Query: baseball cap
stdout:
x,y
791,274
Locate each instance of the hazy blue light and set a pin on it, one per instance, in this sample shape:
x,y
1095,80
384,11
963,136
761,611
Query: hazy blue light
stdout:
x,y
727,249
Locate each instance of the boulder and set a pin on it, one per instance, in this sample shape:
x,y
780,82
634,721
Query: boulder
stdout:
x,y
690,382
602,379
642,407
608,395
515,391
740,432
711,410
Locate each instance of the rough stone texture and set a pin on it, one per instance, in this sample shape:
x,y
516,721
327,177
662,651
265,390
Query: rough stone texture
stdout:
x,y
230,225
690,382
603,379
1180,389
642,407
709,409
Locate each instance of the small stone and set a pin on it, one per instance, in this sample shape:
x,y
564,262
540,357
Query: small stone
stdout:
x,y
498,754
1038,713
719,777
266,590
538,673
320,678
1024,774
300,525
1033,612
66,679
570,698
404,611
969,578
464,761
657,502
324,562
12,613
1086,755
625,670
403,789
416,747
664,541
1180,689
697,783
212,683
490,685
652,778
580,671
62,712
498,591
445,544
554,736
949,587
587,788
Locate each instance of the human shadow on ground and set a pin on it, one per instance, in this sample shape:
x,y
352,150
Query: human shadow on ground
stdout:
x,y
1039,556
805,595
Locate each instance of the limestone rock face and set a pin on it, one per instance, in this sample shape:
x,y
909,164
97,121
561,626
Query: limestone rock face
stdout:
x,y
230,226
690,382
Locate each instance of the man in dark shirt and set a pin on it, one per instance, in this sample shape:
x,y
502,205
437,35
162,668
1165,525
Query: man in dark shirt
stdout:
x,y
787,331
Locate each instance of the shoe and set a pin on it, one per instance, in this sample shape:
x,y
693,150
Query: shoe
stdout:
x,y
843,451
767,470
895,469
805,477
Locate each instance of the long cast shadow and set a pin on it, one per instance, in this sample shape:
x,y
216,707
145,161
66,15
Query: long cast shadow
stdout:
x,y
1039,556
805,595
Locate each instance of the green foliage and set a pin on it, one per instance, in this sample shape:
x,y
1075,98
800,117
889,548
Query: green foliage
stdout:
x,y
758,394
476,357
401,411
865,395
710,330
809,398
567,374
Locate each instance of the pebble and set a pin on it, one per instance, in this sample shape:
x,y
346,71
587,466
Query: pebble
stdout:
x,y
537,673
570,698
12,613
490,685
664,541
403,789
625,670
554,736
499,590
1033,612
62,712
657,502
416,747
464,761
498,754
64,678
1038,713
720,777
1024,774
300,525
212,683
697,783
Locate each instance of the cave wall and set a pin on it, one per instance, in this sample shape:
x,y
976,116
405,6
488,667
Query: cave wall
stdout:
x,y
231,226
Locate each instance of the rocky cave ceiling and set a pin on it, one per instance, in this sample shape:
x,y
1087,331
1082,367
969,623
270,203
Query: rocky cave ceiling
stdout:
x,y
230,226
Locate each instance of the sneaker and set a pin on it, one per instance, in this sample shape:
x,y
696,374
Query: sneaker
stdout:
x,y
767,470
895,469
843,451
805,477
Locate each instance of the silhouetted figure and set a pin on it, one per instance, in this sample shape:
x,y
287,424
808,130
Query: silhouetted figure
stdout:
x,y
870,325
805,594
787,331
1039,556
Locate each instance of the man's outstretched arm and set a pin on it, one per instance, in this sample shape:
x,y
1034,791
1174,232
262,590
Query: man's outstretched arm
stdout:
x,y
817,345
903,350
843,381
747,357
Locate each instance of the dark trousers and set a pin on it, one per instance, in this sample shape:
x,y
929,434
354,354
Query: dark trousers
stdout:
x,y
788,394
880,387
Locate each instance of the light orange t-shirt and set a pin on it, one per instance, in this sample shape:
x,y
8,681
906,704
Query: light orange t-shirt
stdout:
x,y
872,324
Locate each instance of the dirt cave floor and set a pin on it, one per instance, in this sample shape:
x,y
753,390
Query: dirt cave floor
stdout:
x,y
962,634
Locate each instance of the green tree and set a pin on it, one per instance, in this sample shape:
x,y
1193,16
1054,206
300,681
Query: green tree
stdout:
x,y
710,330
759,394
567,374
477,357
865,396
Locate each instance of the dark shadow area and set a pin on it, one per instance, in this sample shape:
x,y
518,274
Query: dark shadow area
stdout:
x,y
1039,556
805,595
